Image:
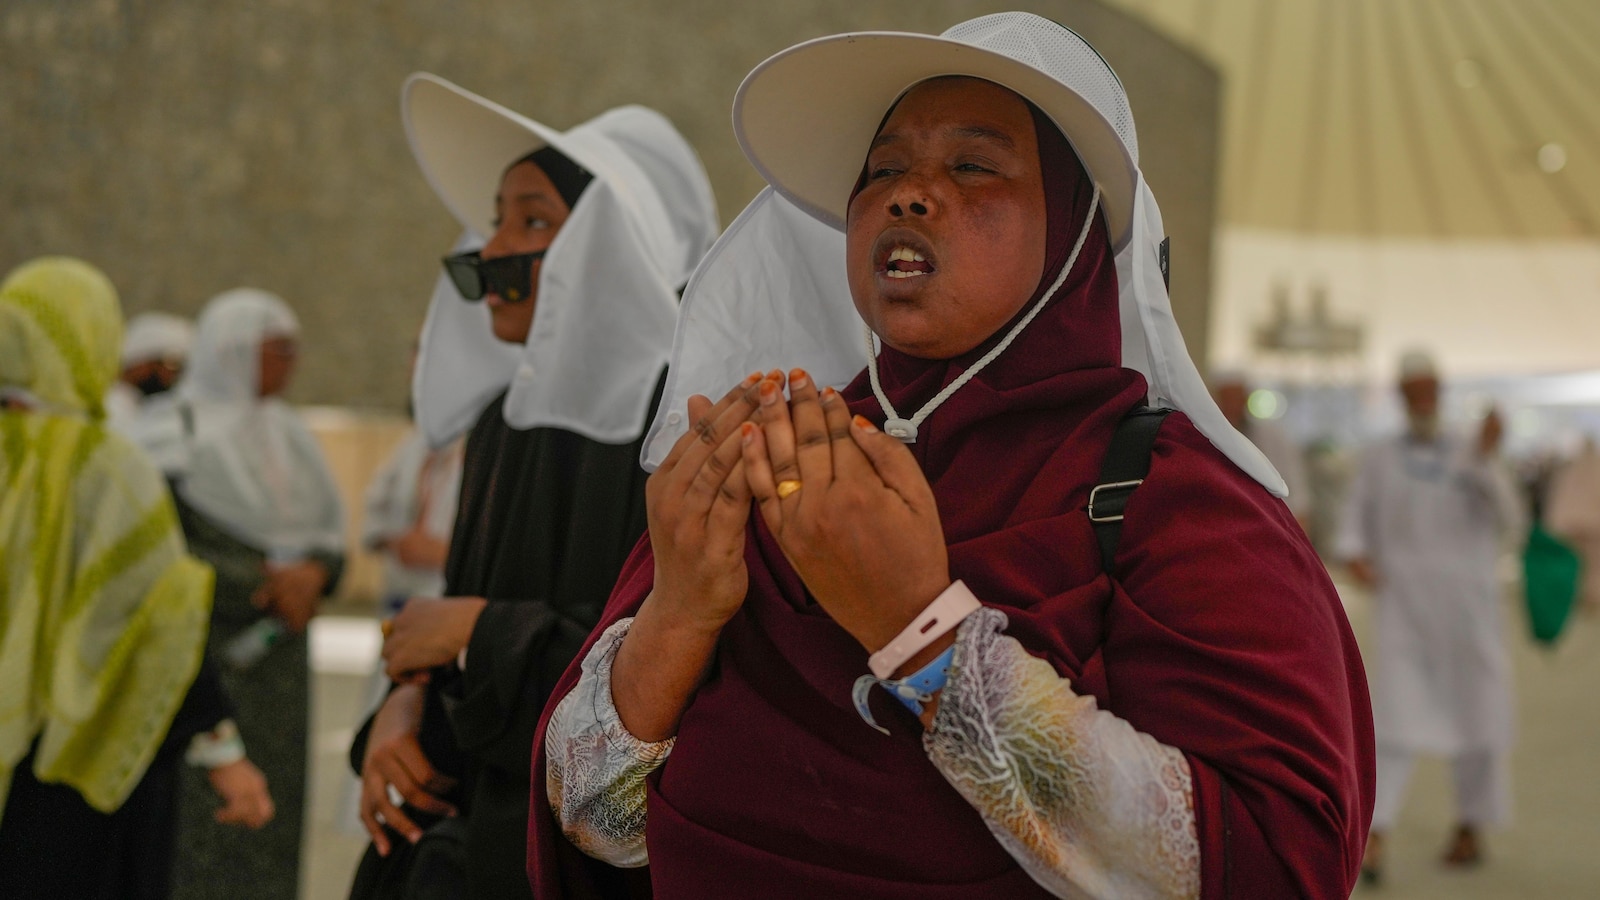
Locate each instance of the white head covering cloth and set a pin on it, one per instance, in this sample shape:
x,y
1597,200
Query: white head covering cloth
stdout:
x,y
245,462
773,291
156,335
607,296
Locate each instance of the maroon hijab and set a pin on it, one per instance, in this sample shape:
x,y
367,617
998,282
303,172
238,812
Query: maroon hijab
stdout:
x,y
1221,635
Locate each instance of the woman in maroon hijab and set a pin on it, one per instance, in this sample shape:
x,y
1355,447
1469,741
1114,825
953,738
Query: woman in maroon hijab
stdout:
x,y
1194,724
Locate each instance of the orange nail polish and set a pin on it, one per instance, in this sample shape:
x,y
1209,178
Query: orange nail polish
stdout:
x,y
862,423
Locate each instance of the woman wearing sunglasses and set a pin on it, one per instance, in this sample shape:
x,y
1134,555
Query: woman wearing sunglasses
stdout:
x,y
546,344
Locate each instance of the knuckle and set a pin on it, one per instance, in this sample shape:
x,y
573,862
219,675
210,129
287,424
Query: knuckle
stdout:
x,y
706,430
811,438
717,466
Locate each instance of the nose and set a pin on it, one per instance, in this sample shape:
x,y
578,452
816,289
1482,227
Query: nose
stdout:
x,y
498,245
910,196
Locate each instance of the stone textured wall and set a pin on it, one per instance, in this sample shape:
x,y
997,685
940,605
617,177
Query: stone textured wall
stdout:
x,y
190,147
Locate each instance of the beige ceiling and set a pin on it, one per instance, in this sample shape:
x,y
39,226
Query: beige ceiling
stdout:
x,y
1403,117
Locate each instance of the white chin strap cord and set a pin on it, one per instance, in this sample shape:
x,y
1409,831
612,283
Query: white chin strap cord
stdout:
x,y
906,429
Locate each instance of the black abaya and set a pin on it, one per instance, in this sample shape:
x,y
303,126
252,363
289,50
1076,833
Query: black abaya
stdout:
x,y
545,521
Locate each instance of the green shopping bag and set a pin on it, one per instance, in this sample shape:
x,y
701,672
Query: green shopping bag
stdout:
x,y
1550,570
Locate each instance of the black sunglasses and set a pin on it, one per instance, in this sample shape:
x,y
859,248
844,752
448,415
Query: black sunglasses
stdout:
x,y
511,277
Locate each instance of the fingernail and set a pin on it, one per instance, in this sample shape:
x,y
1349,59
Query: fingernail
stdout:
x,y
750,379
798,378
829,395
769,393
862,423
747,433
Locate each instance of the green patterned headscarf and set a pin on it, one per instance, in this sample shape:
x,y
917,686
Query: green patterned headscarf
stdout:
x,y
103,614
60,333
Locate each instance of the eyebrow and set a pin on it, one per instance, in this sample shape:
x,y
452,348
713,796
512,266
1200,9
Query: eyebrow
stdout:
x,y
990,134
536,197
970,131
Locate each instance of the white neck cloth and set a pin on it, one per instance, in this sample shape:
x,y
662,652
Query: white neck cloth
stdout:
x,y
607,299
772,291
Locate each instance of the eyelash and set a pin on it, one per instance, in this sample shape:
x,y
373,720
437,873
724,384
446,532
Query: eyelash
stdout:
x,y
886,171
532,222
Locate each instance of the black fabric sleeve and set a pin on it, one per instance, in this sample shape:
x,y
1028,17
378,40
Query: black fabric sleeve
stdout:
x,y
334,563
204,707
519,648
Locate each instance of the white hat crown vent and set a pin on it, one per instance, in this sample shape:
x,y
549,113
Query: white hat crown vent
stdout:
x,y
1059,52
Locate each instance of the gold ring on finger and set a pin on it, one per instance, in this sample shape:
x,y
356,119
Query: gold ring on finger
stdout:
x,y
787,487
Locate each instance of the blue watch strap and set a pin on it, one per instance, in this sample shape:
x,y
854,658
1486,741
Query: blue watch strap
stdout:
x,y
912,691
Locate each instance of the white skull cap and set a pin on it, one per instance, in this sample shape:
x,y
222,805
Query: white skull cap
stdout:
x,y
1417,363
156,335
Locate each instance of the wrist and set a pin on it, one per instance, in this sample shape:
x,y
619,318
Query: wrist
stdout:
x,y
925,634
682,618
926,655
896,617
221,746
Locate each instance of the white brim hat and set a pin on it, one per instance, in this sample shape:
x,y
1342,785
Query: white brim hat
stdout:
x,y
464,144
806,116
633,238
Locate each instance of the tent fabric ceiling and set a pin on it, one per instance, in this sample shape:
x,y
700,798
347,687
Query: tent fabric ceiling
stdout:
x,y
1378,118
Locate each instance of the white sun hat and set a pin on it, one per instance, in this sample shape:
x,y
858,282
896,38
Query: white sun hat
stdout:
x,y
772,292
607,295
806,116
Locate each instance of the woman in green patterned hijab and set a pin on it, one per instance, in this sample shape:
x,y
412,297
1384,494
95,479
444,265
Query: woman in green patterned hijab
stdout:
x,y
104,614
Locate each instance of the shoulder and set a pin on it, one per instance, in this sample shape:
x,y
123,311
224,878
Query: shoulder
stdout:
x,y
1200,532
116,463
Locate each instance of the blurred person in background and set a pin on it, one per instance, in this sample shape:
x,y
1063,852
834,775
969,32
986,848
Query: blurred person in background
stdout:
x,y
155,347
257,501
1572,513
1231,389
1424,522
590,234
103,627
410,511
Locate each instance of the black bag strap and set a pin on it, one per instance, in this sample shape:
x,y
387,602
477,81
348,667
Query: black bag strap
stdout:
x,y
1123,470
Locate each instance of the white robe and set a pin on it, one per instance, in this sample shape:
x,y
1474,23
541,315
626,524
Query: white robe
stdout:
x,y
1430,517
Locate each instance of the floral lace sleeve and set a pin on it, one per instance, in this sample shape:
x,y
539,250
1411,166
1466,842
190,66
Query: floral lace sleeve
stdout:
x,y
1088,806
595,768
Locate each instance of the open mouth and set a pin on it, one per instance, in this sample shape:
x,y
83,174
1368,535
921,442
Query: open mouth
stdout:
x,y
905,262
904,256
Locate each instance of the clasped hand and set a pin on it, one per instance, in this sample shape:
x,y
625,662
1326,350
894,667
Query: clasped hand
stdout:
x,y
861,526
292,592
862,529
